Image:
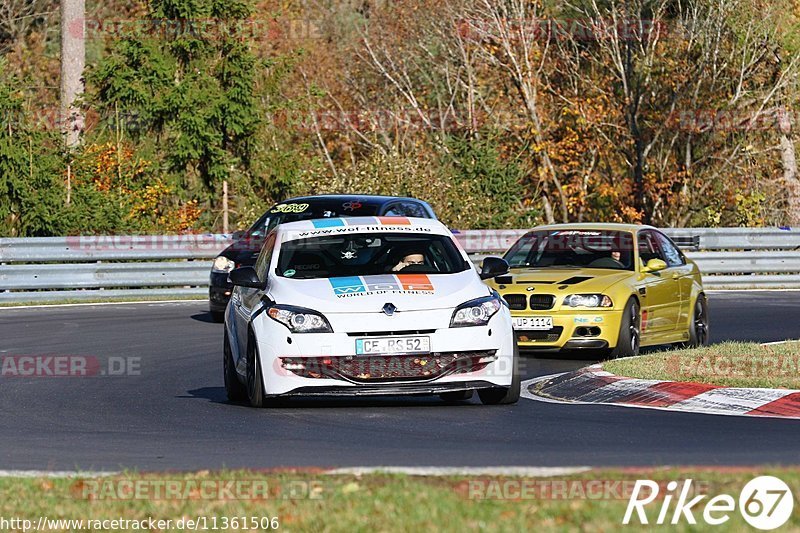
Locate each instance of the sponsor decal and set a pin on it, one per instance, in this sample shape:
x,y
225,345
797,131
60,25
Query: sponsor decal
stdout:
x,y
577,232
381,284
328,223
290,208
415,282
347,285
586,319
394,221
360,221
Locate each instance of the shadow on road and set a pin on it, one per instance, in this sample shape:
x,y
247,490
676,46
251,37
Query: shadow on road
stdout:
x,y
213,394
203,317
217,395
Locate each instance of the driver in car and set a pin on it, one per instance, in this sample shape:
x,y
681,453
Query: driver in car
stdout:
x,y
411,257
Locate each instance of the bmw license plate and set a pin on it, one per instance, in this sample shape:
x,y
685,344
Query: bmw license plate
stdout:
x,y
533,322
392,345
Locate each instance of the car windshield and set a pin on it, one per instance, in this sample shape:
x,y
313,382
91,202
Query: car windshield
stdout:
x,y
296,211
367,254
573,248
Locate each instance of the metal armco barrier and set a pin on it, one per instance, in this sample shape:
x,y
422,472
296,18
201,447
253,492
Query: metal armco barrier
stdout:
x,y
106,267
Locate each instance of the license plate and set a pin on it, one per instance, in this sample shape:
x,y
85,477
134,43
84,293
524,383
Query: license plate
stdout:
x,y
393,345
533,322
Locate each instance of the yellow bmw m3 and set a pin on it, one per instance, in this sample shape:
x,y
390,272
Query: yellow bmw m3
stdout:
x,y
602,287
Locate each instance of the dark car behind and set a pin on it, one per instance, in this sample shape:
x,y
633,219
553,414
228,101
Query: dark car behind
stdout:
x,y
247,245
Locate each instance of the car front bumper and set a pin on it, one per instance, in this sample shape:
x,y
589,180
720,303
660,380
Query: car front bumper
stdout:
x,y
459,358
579,329
219,291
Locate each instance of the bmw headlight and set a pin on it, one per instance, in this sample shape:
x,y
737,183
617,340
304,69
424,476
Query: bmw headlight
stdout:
x,y
476,312
588,300
223,264
299,319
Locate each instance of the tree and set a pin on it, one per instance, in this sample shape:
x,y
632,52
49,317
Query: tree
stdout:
x,y
73,58
189,78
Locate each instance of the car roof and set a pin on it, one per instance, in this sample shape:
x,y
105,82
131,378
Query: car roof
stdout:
x,y
349,225
374,199
607,226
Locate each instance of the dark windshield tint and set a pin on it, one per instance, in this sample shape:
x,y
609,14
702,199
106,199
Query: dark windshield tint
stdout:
x,y
367,254
295,211
573,248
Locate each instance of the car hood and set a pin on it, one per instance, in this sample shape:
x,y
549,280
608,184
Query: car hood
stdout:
x,y
368,294
583,280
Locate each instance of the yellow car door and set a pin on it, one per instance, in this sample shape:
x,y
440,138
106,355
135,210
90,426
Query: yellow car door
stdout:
x,y
681,271
659,291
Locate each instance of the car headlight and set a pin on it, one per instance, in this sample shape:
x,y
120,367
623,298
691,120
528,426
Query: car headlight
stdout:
x,y
299,319
588,300
475,312
223,264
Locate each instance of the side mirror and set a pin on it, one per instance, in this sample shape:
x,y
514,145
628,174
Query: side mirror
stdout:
x,y
493,266
246,277
654,265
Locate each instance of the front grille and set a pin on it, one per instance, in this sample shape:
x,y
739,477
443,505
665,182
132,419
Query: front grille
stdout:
x,y
547,335
542,302
517,302
392,333
381,368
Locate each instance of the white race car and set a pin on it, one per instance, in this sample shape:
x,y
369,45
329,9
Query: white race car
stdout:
x,y
368,306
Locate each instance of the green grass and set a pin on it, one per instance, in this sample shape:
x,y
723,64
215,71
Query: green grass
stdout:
x,y
381,502
730,364
121,299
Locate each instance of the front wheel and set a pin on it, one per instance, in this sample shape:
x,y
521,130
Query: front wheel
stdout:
x,y
234,389
503,395
698,326
629,331
255,379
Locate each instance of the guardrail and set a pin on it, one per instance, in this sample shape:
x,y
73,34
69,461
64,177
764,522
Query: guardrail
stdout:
x,y
89,268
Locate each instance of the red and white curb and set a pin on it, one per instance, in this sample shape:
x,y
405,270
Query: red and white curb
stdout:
x,y
593,385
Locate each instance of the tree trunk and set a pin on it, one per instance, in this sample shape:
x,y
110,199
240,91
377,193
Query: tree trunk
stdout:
x,y
73,58
791,180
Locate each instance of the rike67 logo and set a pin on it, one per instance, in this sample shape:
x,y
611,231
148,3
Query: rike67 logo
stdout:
x,y
765,503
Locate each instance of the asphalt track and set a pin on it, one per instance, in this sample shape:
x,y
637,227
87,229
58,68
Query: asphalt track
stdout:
x,y
174,415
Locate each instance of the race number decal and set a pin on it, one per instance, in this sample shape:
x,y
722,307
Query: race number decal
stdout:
x,y
290,208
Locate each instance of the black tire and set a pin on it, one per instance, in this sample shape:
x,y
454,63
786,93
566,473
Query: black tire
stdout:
x,y
217,316
503,395
698,325
255,379
456,396
233,387
629,339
